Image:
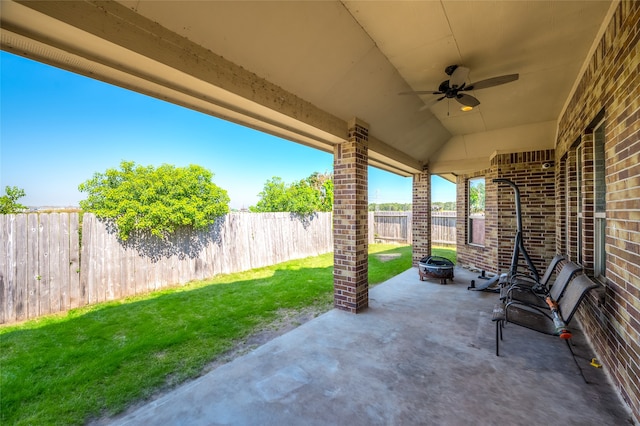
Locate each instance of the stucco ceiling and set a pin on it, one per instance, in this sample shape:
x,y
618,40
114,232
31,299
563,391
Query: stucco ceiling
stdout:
x,y
302,69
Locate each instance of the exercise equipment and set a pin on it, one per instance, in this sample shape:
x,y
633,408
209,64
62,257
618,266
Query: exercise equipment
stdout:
x,y
518,245
489,285
493,284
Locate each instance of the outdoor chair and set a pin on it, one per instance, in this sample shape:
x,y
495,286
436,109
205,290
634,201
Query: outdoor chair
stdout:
x,y
541,320
524,293
526,280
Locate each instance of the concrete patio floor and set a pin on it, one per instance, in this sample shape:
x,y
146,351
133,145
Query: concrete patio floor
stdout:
x,y
422,353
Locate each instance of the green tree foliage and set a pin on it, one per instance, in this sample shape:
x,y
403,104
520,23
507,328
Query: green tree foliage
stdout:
x,y
447,206
476,197
309,195
390,207
9,201
157,200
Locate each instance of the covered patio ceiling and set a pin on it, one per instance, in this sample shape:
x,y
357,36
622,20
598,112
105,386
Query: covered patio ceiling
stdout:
x,y
300,70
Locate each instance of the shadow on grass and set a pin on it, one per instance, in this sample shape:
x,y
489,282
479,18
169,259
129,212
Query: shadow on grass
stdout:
x,y
96,361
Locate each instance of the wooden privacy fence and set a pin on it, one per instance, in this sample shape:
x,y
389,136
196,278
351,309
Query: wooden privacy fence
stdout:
x,y
44,270
396,226
443,228
390,226
39,265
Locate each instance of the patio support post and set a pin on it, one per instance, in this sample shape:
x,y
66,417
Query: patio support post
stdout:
x,y
421,212
350,220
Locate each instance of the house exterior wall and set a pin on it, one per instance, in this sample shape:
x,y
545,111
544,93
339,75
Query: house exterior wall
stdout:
x,y
537,198
609,90
536,184
484,256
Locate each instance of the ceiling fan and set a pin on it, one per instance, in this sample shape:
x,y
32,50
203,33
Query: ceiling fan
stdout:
x,y
457,83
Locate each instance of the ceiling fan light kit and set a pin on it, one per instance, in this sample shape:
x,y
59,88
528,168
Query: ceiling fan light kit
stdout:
x,y
451,88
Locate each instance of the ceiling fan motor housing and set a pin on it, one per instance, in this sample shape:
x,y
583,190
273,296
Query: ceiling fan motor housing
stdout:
x,y
447,90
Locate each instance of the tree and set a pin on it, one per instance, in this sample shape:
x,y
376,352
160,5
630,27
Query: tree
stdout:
x,y
157,200
309,195
447,206
390,207
476,197
9,202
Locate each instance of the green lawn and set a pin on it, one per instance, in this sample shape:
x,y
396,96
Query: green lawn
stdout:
x,y
95,361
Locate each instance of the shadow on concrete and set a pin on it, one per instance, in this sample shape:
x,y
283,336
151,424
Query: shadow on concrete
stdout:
x,y
422,353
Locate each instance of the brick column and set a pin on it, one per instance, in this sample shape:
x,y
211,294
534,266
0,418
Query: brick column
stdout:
x,y
421,209
350,220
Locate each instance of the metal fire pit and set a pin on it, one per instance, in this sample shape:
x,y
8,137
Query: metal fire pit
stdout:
x,y
435,267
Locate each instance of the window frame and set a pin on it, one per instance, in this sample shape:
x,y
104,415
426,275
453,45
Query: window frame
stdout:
x,y
599,208
471,216
579,207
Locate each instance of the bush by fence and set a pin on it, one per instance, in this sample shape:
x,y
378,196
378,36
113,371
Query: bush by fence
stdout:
x,y
44,269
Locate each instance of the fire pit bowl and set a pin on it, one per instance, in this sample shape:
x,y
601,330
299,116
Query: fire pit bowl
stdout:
x,y
435,267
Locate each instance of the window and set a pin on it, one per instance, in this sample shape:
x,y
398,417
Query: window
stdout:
x,y
600,192
579,223
476,211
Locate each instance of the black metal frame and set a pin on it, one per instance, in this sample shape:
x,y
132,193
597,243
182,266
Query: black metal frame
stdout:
x,y
518,246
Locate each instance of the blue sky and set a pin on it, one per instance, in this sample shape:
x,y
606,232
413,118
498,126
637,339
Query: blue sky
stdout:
x,y
57,129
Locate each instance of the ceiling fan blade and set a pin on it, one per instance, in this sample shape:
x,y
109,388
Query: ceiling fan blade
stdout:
x,y
490,82
459,76
420,92
431,103
467,100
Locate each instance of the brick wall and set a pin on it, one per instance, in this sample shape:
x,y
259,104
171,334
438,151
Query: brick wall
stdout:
x,y
536,185
421,210
610,88
472,255
537,197
350,220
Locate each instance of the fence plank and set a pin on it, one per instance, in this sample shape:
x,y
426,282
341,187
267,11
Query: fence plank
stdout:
x,y
65,260
20,262
55,244
112,248
75,298
32,266
43,273
5,267
88,260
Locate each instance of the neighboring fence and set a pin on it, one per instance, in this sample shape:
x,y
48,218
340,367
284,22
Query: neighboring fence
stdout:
x,y
396,226
41,271
443,228
390,226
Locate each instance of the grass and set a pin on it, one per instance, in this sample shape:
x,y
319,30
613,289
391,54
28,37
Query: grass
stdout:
x,y
446,252
96,361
